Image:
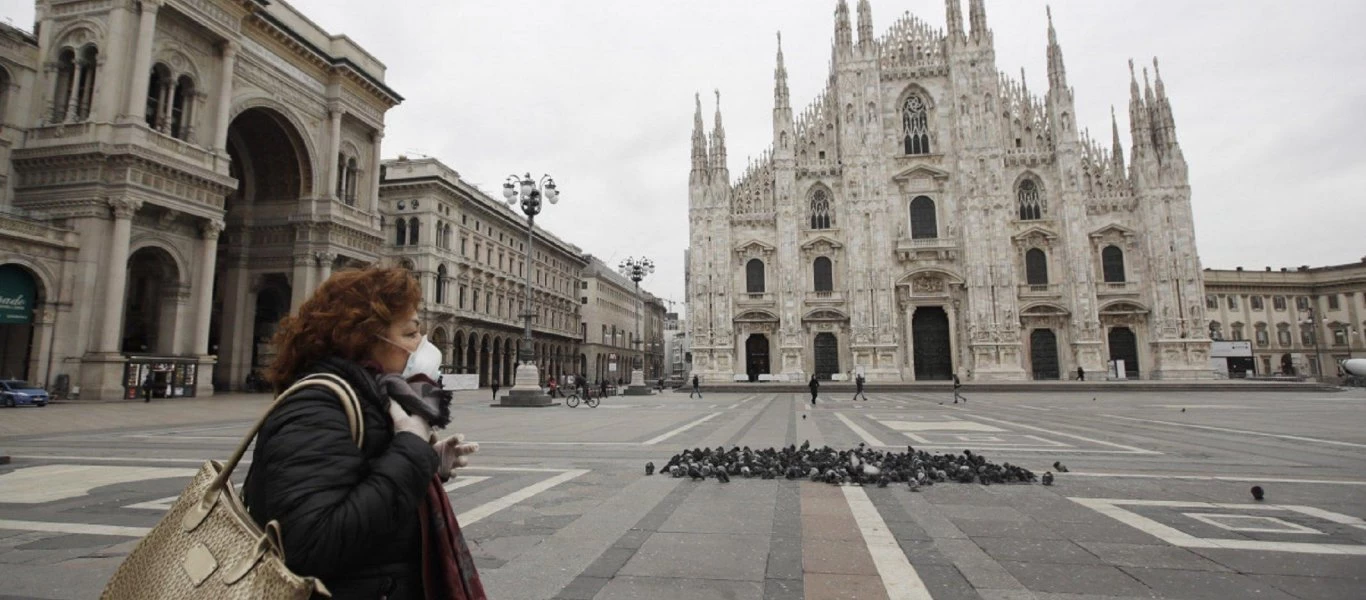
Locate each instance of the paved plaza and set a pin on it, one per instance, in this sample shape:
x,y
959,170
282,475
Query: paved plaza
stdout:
x,y
1156,502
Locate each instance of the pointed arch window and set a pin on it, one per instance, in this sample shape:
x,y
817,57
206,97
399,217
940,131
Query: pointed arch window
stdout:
x,y
1036,267
182,108
65,84
85,81
821,217
924,224
1031,201
441,284
158,85
1112,263
413,228
915,125
400,232
822,274
754,276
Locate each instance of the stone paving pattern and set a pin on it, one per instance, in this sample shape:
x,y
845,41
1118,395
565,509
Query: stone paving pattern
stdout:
x,y
557,504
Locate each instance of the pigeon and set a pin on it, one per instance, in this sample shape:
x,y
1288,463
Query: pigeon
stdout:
x,y
1183,410
1059,466
1048,478
804,416
649,468
722,477
1257,493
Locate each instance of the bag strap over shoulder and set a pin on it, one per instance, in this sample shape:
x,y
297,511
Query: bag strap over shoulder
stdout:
x,y
338,386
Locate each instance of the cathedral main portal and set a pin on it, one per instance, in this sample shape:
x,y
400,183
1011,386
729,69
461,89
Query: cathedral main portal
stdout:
x,y
933,356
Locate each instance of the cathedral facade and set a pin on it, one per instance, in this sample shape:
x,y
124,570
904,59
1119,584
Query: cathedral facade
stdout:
x,y
927,215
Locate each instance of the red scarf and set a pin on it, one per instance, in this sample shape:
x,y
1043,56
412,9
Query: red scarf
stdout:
x,y
448,571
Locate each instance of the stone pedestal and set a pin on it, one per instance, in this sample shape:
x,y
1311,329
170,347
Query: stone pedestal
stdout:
x,y
526,390
102,376
637,387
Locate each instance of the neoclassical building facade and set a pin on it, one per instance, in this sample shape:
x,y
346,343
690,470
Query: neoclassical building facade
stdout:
x,y
1300,321
469,251
611,314
178,175
927,215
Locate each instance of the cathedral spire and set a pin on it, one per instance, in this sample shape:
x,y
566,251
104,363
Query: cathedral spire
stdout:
x,y
1164,122
718,144
781,99
977,19
1139,133
953,10
1057,74
1116,148
865,25
699,141
844,38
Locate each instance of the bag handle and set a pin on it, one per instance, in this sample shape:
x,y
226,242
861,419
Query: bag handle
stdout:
x,y
338,386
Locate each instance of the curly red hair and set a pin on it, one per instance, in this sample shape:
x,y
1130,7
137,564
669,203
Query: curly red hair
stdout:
x,y
344,318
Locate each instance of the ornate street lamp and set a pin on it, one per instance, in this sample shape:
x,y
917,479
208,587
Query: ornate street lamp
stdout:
x,y
526,386
636,269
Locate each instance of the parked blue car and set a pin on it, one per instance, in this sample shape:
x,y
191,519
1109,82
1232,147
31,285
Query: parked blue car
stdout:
x,y
15,392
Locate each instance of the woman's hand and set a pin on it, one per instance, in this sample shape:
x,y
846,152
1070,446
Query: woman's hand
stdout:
x,y
454,453
411,423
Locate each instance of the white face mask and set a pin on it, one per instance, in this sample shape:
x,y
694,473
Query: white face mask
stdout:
x,y
426,360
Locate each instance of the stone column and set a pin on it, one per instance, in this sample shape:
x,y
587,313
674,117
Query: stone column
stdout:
x,y
334,170
325,265
117,274
910,340
141,69
373,201
167,96
302,282
73,99
953,336
220,130
208,257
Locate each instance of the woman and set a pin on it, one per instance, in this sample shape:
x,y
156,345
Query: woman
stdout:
x,y
373,521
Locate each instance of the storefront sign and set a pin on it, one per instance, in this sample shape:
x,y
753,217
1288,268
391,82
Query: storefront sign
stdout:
x,y
16,295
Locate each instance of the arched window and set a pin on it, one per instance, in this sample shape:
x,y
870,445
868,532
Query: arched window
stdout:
x,y
1031,203
820,208
1112,263
923,219
351,173
441,284
400,232
754,276
85,81
821,274
156,91
412,231
182,108
915,125
341,177
65,85
1036,267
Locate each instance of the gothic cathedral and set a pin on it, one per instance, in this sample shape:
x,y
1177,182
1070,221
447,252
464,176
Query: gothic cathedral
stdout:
x,y
927,215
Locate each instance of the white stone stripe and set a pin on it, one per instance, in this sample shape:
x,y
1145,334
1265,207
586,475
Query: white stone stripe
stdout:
x,y
1252,478
1298,438
898,576
462,481
477,513
1131,449
87,528
666,435
861,432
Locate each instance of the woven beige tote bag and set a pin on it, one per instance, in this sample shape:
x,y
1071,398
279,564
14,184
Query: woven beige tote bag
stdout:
x,y
208,547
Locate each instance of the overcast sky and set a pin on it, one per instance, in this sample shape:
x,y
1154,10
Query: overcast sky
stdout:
x,y
1268,98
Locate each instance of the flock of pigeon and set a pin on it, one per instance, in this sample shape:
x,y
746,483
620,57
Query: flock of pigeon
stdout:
x,y
861,466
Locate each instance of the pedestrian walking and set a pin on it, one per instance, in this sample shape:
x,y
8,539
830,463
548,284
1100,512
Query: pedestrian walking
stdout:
x,y
956,396
696,387
553,385
495,390
602,385
815,388
375,520
858,387
147,388
1081,374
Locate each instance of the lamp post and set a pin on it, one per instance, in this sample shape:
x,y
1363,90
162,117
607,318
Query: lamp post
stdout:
x,y
526,386
636,269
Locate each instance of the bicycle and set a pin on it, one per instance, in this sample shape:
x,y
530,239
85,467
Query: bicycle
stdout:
x,y
572,401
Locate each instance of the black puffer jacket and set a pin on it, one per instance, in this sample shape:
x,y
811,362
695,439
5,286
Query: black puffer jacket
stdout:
x,y
349,515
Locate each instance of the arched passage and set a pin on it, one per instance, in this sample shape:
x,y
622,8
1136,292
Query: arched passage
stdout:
x,y
1124,346
20,294
272,165
151,302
